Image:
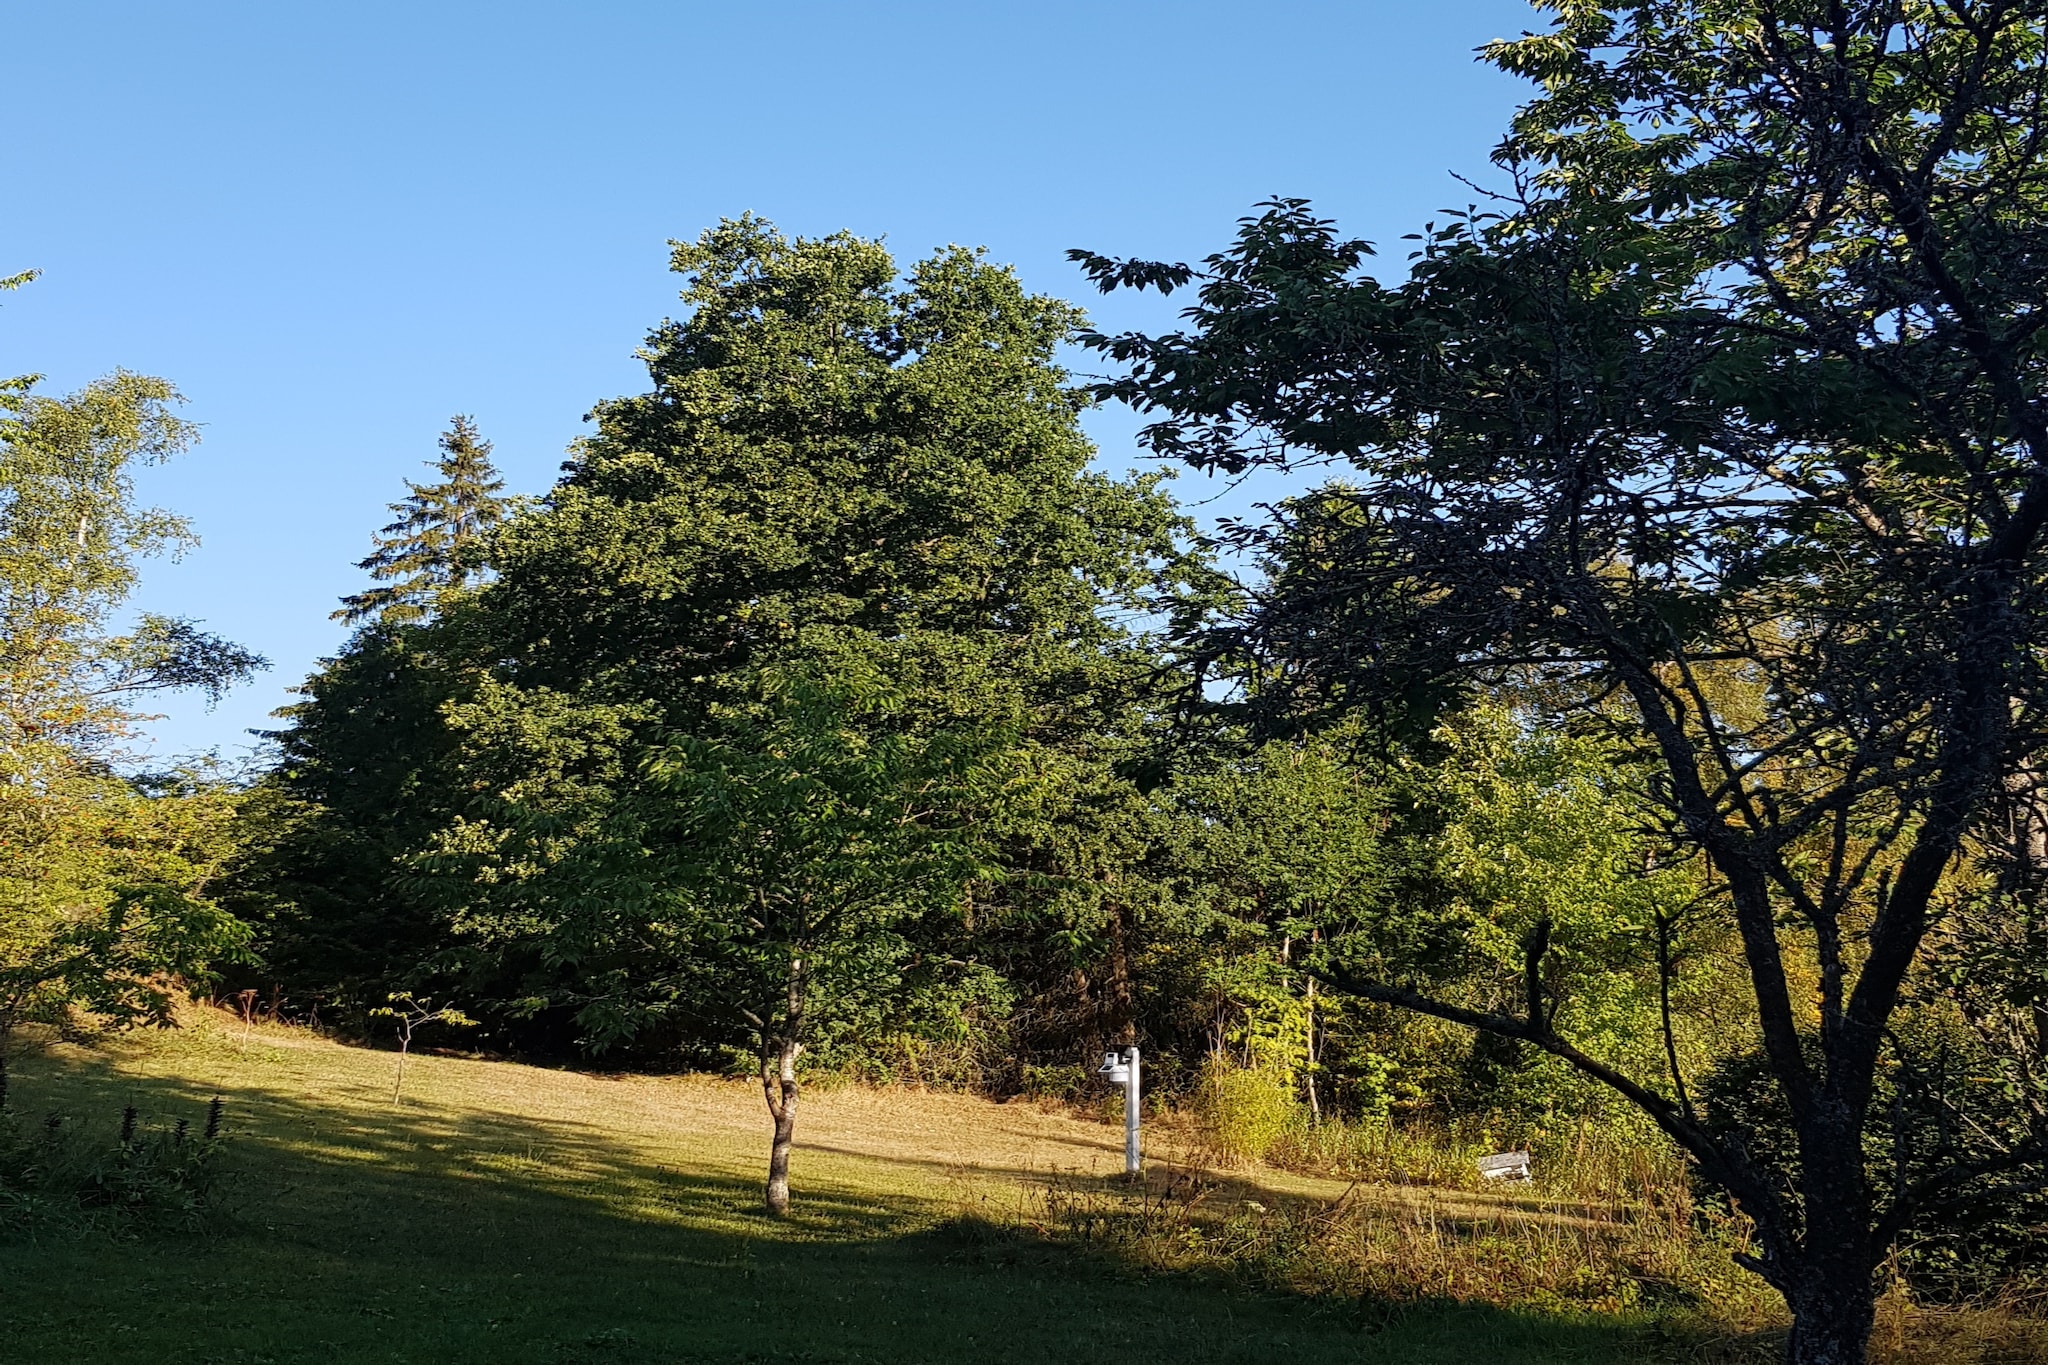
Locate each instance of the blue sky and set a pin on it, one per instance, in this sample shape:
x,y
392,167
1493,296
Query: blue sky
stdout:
x,y
335,225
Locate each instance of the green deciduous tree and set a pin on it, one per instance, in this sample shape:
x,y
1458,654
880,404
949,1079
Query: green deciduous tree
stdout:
x,y
408,1014
107,893
104,879
773,877
1520,844
1741,375
838,473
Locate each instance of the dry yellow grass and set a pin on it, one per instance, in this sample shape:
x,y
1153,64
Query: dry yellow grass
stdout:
x,y
507,1213
935,1145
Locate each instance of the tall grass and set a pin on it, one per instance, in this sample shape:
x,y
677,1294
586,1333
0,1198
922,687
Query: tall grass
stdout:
x,y
1376,1246
1243,1114
1607,1230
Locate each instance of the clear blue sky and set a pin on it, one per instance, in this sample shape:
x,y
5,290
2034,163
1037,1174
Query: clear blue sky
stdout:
x,y
334,225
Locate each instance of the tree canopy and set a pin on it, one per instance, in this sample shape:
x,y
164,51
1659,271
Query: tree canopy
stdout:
x,y
848,494
1722,419
423,554
105,875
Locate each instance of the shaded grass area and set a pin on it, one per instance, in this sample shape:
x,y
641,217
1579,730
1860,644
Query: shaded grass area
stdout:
x,y
463,1226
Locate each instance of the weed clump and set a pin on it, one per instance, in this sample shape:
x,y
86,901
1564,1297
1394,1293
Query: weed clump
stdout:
x,y
1243,1113
58,1173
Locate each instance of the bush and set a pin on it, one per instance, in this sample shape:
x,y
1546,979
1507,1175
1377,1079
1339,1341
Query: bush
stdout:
x,y
1242,1113
1063,1083
55,1172
1975,1252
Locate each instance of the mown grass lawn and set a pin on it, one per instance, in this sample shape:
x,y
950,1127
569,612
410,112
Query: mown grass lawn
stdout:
x,y
511,1214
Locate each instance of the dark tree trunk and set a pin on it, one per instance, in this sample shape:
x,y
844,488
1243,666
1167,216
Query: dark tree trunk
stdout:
x,y
1832,1316
778,1084
1830,1287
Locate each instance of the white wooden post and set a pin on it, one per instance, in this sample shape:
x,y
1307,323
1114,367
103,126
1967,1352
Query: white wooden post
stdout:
x,y
1123,1071
1133,1157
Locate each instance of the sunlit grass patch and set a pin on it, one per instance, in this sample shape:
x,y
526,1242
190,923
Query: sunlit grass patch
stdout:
x,y
505,1213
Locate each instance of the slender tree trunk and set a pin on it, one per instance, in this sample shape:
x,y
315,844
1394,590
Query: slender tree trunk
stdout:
x,y
778,1084
1122,1004
1315,1101
780,1047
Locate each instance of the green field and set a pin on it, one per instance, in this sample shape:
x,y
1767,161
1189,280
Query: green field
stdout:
x,y
512,1214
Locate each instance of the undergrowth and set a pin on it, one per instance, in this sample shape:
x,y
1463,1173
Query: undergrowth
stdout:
x,y
127,1176
1394,1247
1614,1237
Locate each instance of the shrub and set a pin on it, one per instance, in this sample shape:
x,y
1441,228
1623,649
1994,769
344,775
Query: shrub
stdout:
x,y
1063,1083
1970,1253
1242,1113
55,1172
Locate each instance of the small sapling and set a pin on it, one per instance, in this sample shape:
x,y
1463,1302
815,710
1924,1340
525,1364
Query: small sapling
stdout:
x,y
410,1012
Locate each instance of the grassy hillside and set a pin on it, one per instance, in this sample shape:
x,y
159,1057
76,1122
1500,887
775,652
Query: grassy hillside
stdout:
x,y
503,1213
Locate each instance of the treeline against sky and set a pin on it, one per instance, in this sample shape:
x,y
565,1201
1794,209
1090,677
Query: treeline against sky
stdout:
x,y
834,649
1636,716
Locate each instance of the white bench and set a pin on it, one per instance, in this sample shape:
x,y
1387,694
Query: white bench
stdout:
x,y
1505,1166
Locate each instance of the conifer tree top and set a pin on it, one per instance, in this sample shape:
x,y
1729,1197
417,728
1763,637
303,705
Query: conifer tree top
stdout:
x,y
419,555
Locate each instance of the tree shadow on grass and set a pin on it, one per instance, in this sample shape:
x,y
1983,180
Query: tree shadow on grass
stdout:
x,y
434,1234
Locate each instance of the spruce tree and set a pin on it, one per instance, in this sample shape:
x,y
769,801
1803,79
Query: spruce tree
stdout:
x,y
419,555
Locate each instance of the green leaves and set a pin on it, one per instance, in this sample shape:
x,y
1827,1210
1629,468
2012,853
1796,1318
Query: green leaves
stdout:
x,y
412,1012
840,478
769,869
105,880
1522,830
106,892
1719,433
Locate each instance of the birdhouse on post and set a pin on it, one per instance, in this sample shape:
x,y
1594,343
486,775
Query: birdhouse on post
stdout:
x,y
1123,1070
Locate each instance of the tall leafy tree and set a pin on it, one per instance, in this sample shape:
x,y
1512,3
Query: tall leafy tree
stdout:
x,y
1741,376
426,552
841,474
778,877
829,456
104,879
840,471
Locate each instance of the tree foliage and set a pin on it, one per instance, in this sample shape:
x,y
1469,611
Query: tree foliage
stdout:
x,y
842,479
104,877
1739,377
427,552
